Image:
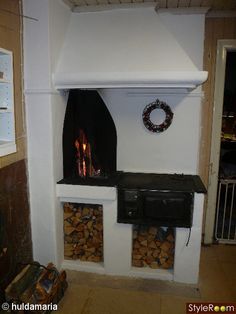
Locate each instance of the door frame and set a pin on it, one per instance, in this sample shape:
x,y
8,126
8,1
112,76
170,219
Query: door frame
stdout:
x,y
223,45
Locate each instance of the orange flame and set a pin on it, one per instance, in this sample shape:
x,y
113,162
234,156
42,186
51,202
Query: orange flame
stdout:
x,y
77,144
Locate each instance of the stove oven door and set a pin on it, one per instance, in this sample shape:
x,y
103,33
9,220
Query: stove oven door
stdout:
x,y
167,208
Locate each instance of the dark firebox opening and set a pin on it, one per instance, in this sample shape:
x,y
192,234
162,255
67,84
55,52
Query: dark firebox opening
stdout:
x,y
89,137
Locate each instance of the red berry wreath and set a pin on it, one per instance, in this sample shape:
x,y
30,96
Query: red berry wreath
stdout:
x,y
157,127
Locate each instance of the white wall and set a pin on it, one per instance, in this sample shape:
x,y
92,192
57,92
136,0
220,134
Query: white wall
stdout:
x,y
173,151
37,67
44,112
43,40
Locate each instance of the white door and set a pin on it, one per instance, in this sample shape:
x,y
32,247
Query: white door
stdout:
x,y
222,47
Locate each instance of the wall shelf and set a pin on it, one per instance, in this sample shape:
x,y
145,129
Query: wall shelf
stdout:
x,y
7,119
5,110
3,81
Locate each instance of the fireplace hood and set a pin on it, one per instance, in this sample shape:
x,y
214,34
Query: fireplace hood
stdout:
x,y
132,48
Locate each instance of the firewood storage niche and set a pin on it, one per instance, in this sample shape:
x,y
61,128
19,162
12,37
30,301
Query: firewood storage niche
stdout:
x,y
83,232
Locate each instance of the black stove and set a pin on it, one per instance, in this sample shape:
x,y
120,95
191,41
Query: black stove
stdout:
x,y
157,199
149,198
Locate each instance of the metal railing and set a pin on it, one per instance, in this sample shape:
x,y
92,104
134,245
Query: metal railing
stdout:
x,y
225,226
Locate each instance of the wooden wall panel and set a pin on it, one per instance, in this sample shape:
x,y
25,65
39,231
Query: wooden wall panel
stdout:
x,y
215,28
10,38
15,228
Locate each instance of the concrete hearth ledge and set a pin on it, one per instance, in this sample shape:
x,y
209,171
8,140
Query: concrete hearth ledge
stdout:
x,y
86,192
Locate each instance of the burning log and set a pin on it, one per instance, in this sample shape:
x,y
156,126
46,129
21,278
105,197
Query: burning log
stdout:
x,y
153,247
84,157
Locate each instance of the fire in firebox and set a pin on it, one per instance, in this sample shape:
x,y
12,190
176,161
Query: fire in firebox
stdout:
x,y
85,166
89,136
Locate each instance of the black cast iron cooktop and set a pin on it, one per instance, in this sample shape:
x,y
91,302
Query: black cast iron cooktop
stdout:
x,y
161,182
143,181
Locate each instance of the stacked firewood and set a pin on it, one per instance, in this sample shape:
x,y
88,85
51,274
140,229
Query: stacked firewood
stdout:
x,y
83,232
153,247
36,284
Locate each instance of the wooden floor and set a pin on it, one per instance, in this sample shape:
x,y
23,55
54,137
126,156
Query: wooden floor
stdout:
x,y
94,294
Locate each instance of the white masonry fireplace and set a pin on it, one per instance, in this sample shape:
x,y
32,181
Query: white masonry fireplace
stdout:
x,y
131,57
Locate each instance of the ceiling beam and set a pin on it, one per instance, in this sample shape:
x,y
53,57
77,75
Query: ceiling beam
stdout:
x,y
113,6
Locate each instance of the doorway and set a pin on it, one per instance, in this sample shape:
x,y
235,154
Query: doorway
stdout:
x,y
223,115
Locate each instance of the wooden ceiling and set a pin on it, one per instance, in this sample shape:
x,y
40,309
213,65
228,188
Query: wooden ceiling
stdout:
x,y
226,5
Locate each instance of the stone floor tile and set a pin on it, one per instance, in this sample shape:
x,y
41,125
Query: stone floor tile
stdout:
x,y
229,270
74,299
175,305
208,252
225,253
115,301
213,282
